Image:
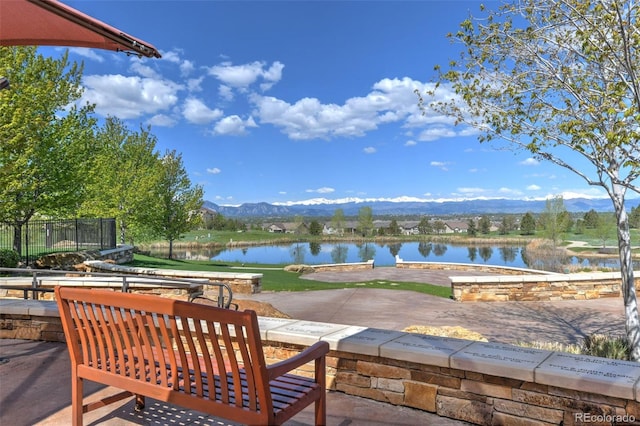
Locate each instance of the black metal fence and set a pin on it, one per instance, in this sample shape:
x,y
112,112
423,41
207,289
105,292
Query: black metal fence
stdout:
x,y
39,237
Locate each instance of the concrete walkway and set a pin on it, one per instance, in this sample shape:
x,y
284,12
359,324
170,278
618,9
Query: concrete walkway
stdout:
x,y
508,322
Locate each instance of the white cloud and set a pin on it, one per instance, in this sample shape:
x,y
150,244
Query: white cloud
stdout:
x,y
233,125
323,190
529,162
129,97
533,188
195,111
410,143
226,92
87,53
242,76
162,120
195,84
144,70
442,165
214,171
370,150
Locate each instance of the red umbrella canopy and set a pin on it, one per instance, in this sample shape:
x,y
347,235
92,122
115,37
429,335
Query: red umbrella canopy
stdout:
x,y
51,23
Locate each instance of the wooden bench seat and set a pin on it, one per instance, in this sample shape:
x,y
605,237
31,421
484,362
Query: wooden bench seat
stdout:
x,y
196,356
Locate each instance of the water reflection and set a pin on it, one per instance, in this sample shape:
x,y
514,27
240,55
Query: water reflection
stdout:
x,y
382,254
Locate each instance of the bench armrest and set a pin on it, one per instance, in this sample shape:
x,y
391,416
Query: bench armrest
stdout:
x,y
314,352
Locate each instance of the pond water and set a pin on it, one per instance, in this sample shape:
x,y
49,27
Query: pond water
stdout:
x,y
382,254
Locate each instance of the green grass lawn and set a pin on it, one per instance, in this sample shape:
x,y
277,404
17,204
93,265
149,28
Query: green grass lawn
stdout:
x,y
276,279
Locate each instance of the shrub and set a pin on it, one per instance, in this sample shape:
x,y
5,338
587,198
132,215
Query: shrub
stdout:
x,y
613,347
9,258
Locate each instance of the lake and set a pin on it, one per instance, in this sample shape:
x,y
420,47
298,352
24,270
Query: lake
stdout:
x,y
382,254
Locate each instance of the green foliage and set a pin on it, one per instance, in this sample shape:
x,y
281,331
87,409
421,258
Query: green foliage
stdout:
x,y
613,347
338,221
634,217
471,228
365,220
315,228
9,258
591,219
425,227
177,209
484,224
44,138
528,224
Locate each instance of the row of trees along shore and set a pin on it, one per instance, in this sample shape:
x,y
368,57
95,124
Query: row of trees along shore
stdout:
x,y
556,77
56,160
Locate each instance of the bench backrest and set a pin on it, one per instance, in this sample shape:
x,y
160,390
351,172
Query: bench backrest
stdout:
x,y
122,338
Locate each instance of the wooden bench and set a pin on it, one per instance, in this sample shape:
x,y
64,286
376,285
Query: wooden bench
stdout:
x,y
195,356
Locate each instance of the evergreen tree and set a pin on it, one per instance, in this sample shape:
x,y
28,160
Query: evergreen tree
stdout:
x,y
527,224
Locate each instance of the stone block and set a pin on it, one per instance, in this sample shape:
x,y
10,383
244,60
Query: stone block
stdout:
x,y
393,385
373,369
471,411
503,419
487,389
597,375
353,379
303,332
420,348
548,415
420,395
268,323
360,340
499,359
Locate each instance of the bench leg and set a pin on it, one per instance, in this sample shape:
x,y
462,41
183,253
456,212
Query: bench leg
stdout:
x,y
139,403
76,400
321,403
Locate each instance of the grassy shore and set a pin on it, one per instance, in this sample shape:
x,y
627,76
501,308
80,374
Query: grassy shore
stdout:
x,y
276,279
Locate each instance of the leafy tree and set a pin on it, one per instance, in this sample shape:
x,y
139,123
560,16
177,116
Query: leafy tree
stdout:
x,y
606,228
554,219
634,217
123,178
178,207
425,227
439,227
315,228
558,77
365,220
471,228
503,229
591,219
484,224
394,228
338,221
527,224
44,139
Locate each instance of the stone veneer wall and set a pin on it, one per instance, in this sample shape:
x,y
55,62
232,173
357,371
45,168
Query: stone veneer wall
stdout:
x,y
578,286
479,382
247,283
447,266
335,267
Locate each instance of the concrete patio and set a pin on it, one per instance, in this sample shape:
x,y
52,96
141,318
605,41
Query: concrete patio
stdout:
x,y
35,389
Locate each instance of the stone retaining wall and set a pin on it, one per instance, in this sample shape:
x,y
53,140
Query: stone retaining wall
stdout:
x,y
341,267
445,266
483,383
578,286
247,283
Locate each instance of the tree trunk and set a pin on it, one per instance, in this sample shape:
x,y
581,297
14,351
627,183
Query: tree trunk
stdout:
x,y
170,249
632,324
17,238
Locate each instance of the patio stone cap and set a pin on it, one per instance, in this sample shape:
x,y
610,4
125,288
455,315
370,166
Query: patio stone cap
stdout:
x,y
593,276
171,272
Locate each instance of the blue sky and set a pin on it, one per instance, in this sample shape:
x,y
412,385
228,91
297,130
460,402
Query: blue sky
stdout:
x,y
286,102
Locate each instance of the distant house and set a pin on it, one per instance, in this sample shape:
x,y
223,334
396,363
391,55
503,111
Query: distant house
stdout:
x,y
455,227
277,228
409,228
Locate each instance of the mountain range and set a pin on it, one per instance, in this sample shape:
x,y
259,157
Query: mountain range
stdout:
x,y
326,208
